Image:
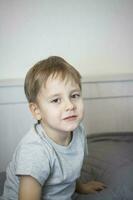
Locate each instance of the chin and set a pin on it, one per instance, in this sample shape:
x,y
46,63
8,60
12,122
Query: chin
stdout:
x,y
72,127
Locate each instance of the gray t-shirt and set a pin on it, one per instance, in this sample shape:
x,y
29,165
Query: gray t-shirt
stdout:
x,y
54,166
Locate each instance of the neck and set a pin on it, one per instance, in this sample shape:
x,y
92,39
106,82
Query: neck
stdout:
x,y
61,138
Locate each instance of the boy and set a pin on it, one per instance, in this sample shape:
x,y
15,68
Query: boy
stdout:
x,y
47,162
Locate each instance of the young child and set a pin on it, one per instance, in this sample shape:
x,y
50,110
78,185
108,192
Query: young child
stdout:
x,y
48,160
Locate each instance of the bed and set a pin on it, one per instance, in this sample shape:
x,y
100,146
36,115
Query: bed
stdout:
x,y
110,160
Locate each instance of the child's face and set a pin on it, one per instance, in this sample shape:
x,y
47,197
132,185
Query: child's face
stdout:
x,y
60,106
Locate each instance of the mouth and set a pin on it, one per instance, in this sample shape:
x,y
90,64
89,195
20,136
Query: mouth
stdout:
x,y
70,118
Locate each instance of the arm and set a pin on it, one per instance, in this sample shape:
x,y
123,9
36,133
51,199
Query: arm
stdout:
x,y
89,187
29,188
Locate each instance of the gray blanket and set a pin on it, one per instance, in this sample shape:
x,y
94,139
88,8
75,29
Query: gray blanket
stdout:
x,y
110,160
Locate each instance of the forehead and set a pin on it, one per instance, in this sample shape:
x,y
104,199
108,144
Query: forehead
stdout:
x,y
54,82
58,85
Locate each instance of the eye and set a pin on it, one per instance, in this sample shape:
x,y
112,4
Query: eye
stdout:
x,y
57,100
75,95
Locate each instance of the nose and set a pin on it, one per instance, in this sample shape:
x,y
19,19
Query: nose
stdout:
x,y
69,105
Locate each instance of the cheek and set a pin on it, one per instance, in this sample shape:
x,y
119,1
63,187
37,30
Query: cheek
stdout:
x,y
81,108
53,112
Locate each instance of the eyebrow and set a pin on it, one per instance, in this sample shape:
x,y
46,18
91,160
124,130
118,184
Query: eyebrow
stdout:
x,y
59,94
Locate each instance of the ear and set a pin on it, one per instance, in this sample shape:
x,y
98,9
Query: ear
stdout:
x,y
35,111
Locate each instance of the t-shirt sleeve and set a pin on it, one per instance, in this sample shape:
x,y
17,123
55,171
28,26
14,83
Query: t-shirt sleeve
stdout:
x,y
32,160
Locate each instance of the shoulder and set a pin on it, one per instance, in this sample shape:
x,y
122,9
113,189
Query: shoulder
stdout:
x,y
32,146
80,134
33,157
80,130
33,141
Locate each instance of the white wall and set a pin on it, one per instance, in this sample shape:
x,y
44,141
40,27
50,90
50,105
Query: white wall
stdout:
x,y
94,35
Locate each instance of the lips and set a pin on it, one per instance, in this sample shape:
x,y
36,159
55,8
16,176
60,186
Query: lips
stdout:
x,y
72,117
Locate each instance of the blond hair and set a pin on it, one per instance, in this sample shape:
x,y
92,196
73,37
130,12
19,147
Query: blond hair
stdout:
x,y
53,66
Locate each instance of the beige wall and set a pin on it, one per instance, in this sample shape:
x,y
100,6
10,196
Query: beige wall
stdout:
x,y
94,35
